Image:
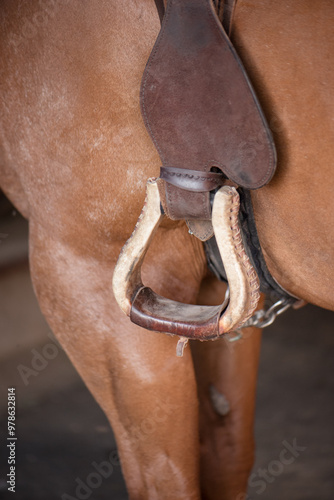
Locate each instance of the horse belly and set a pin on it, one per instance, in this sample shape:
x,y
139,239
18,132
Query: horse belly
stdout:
x,y
287,48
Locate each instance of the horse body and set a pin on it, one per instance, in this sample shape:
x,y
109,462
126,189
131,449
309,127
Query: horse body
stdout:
x,y
286,51
75,160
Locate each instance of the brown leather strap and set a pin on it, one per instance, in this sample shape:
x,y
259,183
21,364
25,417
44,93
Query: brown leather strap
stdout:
x,y
225,11
153,312
192,180
224,8
219,6
160,8
200,109
228,13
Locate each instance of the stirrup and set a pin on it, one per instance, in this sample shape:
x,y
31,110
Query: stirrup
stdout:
x,y
153,312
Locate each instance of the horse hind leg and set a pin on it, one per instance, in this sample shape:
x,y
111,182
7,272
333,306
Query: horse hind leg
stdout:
x,y
148,394
226,375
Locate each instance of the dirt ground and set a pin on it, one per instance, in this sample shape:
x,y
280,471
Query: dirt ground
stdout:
x,y
63,436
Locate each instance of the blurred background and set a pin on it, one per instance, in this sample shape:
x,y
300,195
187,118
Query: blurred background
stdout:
x,y
62,432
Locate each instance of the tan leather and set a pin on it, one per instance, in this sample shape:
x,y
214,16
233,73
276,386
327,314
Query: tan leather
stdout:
x,y
200,109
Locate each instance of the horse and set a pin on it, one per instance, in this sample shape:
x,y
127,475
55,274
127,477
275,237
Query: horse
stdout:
x,y
75,157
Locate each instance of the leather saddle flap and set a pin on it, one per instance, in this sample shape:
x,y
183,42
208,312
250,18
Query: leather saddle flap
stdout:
x,y
198,104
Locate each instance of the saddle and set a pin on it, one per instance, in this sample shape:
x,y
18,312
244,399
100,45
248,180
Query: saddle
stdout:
x,y
202,113
207,125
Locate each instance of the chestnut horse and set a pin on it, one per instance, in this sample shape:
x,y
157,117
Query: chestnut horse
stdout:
x,y
75,157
